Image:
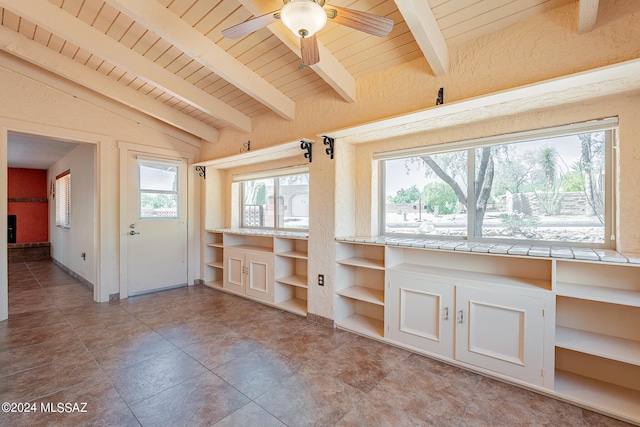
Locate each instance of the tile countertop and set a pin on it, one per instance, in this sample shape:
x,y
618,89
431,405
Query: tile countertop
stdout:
x,y
259,232
540,251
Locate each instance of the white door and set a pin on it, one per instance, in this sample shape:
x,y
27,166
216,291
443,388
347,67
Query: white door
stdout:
x,y
421,312
501,331
234,270
156,230
259,283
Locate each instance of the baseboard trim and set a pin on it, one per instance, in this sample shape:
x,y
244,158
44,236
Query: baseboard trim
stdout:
x,y
75,275
324,321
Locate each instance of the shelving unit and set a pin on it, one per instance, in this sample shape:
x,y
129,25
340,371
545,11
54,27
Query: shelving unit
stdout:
x,y
360,288
597,338
568,326
213,259
291,274
283,285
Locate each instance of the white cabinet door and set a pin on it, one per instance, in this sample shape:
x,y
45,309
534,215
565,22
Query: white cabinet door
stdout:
x,y
260,277
500,331
421,312
234,270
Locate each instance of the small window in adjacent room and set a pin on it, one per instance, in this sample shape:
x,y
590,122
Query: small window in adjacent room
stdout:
x,y
63,200
549,185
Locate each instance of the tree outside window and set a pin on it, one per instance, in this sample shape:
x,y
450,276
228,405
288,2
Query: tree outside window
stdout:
x,y
550,189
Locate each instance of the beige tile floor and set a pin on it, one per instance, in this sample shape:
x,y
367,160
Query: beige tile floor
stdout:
x,y
198,357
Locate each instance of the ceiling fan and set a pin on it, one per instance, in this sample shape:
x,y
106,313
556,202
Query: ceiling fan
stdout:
x,y
306,17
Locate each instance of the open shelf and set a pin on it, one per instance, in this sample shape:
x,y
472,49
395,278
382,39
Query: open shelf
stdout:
x,y
215,284
362,293
293,254
363,325
599,293
295,280
363,262
252,248
609,347
295,305
216,264
215,245
474,277
608,398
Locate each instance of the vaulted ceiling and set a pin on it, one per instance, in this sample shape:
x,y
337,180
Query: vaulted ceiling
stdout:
x,y
168,58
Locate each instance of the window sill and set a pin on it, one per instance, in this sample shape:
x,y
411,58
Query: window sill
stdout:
x,y
521,250
264,232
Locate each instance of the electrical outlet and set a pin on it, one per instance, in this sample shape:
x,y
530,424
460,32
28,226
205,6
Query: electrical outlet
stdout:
x,y
320,279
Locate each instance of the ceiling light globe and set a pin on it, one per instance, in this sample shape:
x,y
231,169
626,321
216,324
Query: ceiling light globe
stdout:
x,y
303,17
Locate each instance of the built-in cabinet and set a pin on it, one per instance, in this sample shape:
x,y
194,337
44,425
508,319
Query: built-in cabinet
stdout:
x,y
483,310
270,268
565,326
249,272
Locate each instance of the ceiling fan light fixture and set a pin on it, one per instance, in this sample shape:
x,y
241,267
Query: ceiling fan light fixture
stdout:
x,y
303,17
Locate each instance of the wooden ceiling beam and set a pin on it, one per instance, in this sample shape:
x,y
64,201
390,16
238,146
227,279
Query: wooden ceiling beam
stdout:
x,y
587,15
329,68
40,55
61,23
157,18
424,27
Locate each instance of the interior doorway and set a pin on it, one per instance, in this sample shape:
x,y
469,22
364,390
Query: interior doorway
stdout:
x,y
30,162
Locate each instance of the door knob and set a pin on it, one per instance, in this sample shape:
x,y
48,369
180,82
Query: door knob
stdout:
x,y
133,233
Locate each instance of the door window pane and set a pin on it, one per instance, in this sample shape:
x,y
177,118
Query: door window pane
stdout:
x,y
158,191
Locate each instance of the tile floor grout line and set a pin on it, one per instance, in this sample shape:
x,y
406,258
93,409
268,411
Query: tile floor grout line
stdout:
x,y
470,402
305,359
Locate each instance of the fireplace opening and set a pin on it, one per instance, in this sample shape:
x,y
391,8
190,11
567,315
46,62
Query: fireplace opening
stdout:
x,y
12,229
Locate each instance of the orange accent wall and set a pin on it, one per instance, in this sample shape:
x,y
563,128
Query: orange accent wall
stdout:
x,y
32,213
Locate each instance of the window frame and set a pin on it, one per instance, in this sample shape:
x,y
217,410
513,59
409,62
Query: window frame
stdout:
x,y
63,190
164,163
607,125
274,175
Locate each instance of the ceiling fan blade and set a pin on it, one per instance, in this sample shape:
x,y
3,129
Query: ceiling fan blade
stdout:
x,y
363,21
310,52
247,27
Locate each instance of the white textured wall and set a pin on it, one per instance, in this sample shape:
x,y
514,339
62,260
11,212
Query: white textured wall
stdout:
x,y
68,244
541,48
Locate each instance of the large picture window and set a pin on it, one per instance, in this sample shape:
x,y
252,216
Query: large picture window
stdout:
x,y
277,202
551,186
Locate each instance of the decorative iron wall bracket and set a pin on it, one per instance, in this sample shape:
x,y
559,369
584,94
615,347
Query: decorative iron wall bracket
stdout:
x,y
202,171
246,147
329,141
305,145
440,99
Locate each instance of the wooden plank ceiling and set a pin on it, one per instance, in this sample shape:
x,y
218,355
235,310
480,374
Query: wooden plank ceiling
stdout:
x,y
169,59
